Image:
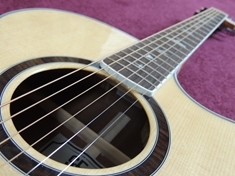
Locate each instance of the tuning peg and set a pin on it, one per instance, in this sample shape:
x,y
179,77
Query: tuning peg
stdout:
x,y
201,10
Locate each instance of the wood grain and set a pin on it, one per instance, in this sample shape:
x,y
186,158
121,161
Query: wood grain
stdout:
x,y
202,143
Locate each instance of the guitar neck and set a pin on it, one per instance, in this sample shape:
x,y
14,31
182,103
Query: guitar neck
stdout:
x,y
146,65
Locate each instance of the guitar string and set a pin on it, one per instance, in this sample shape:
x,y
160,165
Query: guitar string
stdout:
x,y
36,103
10,117
59,106
21,96
87,147
19,132
22,130
76,135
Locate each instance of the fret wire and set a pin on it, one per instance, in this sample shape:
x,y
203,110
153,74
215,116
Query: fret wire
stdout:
x,y
197,16
199,33
198,36
142,51
150,69
204,29
177,43
154,79
127,51
165,46
131,64
133,48
188,39
136,55
208,25
173,54
156,63
156,58
216,19
153,62
114,57
191,40
194,40
151,80
167,58
135,76
188,42
193,35
211,21
170,58
166,55
121,54
169,50
185,22
156,70
158,67
139,44
176,53
185,30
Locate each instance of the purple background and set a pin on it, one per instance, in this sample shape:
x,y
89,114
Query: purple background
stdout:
x,y
208,76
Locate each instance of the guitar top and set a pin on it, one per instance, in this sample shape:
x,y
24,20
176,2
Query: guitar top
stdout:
x,y
79,97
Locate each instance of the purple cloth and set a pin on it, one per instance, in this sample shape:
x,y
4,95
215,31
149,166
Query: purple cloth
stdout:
x,y
208,76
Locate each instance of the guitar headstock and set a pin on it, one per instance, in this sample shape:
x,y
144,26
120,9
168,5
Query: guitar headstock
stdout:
x,y
228,26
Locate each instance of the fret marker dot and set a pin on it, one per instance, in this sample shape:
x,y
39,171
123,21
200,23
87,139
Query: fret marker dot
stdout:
x,y
177,41
138,64
162,51
149,56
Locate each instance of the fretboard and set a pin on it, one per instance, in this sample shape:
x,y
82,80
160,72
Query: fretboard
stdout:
x,y
146,65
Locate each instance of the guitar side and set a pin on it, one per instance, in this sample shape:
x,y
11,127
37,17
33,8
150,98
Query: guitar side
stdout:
x,y
202,143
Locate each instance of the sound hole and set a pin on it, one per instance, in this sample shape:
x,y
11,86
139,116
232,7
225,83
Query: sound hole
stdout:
x,y
120,132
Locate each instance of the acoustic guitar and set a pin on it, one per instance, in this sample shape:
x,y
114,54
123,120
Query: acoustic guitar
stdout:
x,y
79,97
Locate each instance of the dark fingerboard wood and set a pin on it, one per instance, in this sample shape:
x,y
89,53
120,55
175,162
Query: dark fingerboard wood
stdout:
x,y
147,64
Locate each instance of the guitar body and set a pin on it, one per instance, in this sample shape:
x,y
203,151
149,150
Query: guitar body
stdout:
x,y
201,142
